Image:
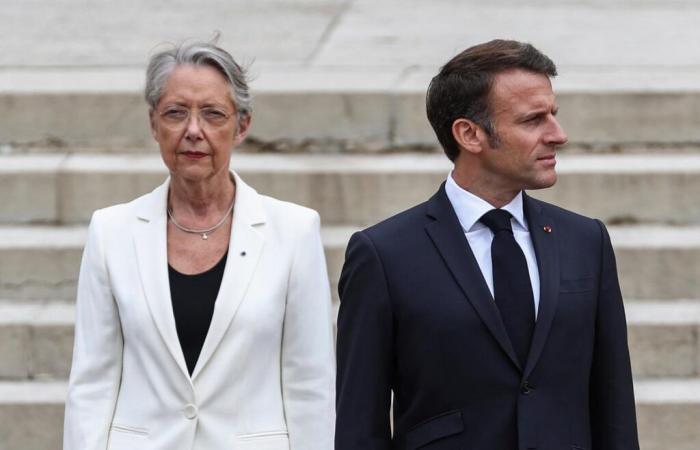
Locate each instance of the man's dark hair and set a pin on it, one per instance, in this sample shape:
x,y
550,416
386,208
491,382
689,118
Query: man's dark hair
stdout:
x,y
462,88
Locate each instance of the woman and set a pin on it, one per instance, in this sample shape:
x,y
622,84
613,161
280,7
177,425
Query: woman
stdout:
x,y
203,310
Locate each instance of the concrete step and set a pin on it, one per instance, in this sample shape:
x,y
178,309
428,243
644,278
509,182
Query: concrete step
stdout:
x,y
664,338
657,262
31,415
333,147
668,412
654,262
36,339
326,33
350,189
357,106
40,262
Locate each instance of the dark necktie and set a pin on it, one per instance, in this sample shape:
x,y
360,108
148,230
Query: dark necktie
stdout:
x,y
511,283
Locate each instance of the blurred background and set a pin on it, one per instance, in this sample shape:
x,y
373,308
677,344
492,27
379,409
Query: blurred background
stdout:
x,y
339,125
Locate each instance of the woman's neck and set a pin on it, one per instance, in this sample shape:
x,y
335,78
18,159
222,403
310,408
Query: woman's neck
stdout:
x,y
201,200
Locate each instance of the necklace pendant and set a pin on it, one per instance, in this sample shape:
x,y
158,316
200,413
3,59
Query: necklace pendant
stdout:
x,y
205,236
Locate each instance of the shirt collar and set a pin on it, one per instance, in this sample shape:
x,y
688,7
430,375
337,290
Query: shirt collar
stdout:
x,y
470,208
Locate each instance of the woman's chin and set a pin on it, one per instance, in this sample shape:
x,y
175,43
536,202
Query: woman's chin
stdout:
x,y
192,172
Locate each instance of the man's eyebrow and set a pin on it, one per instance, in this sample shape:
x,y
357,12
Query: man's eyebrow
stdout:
x,y
531,113
537,112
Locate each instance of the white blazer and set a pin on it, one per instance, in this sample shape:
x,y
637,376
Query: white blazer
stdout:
x,y
265,378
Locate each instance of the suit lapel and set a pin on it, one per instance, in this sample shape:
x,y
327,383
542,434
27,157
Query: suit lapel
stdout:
x,y
447,236
543,232
150,236
245,248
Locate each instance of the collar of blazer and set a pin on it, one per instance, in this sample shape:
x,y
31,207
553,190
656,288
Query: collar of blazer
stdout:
x,y
245,247
449,239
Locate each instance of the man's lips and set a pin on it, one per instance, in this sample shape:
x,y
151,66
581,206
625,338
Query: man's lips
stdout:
x,y
548,159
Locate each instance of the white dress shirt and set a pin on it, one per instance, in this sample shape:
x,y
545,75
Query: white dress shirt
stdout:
x,y
469,209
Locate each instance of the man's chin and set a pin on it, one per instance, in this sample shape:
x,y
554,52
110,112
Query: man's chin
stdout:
x,y
542,183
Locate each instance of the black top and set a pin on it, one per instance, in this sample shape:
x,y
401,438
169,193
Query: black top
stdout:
x,y
193,298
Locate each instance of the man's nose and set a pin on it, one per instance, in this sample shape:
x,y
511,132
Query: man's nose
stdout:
x,y
556,134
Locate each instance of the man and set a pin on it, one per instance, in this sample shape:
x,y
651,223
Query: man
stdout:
x,y
495,319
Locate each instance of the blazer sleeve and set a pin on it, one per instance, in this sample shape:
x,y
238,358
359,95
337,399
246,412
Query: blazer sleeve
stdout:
x,y
613,419
308,368
97,352
365,351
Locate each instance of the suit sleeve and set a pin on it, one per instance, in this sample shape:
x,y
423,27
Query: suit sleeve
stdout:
x,y
308,367
97,353
364,351
613,419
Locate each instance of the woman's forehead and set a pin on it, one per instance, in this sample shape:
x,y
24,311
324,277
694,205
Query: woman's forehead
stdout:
x,y
197,83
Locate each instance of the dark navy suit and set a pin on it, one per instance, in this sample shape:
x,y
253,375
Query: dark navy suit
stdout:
x,y
417,318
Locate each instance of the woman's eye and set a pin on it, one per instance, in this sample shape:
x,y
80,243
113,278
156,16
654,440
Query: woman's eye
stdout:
x,y
175,114
212,114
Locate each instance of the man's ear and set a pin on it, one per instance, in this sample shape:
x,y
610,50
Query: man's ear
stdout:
x,y
468,135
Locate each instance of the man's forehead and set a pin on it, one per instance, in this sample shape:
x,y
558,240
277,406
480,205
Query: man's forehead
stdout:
x,y
518,89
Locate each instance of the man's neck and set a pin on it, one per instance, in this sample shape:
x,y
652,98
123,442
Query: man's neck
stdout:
x,y
496,196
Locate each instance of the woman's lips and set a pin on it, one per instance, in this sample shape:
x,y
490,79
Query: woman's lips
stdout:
x,y
194,155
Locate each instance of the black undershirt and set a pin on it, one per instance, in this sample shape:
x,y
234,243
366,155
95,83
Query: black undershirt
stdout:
x,y
193,298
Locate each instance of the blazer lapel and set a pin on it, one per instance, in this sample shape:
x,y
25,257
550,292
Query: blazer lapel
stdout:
x,y
447,235
150,236
245,248
543,232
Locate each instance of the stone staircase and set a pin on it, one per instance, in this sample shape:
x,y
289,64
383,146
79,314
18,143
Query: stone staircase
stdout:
x,y
339,125
47,200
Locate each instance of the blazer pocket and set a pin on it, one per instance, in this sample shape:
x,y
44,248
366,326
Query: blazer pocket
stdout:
x,y
124,437
577,285
438,427
266,440
127,429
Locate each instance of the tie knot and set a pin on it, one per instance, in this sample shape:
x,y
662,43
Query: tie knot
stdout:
x,y
497,220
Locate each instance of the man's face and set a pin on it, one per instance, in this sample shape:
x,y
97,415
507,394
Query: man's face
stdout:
x,y
523,111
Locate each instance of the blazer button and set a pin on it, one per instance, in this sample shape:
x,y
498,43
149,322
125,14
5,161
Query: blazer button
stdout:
x,y
190,411
526,388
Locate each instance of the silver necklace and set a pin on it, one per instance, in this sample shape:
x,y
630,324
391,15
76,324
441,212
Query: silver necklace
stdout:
x,y
204,233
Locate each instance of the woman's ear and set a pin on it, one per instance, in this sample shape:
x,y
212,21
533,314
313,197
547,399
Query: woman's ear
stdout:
x,y
242,129
153,124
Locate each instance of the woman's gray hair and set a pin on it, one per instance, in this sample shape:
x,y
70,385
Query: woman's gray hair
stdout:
x,y
162,64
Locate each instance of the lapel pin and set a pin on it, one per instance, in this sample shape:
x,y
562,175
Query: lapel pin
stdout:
x,y
547,229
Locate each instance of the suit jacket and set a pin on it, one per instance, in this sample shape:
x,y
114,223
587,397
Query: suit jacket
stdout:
x,y
417,318
265,376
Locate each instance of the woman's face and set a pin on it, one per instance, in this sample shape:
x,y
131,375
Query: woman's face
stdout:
x,y
196,125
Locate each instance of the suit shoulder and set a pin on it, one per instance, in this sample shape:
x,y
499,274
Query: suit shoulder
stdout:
x,y
569,220
115,216
284,210
399,231
399,222
290,221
